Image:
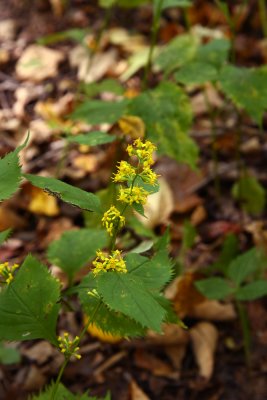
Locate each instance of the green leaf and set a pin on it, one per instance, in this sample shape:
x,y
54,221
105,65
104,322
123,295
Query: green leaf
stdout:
x,y
28,305
228,253
143,247
196,72
76,248
178,52
106,319
170,3
167,114
92,138
127,294
75,34
246,264
214,288
68,193
10,172
189,235
247,88
4,235
97,112
64,394
9,355
154,273
251,193
215,52
252,291
107,85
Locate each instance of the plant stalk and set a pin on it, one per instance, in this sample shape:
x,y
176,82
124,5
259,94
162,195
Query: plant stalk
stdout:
x,y
154,35
243,317
263,16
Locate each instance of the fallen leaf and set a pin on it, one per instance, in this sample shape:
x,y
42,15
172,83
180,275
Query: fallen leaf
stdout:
x,y
176,354
204,338
136,393
198,215
156,366
183,294
213,310
8,29
10,219
91,68
172,334
159,206
34,379
132,126
38,63
39,352
43,203
86,162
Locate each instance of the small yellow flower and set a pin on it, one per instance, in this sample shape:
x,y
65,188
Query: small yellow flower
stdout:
x,y
113,220
149,176
69,347
125,172
132,195
143,150
114,262
7,271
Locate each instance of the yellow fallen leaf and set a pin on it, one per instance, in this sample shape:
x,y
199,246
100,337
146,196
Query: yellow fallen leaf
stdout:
x,y
43,203
101,335
132,126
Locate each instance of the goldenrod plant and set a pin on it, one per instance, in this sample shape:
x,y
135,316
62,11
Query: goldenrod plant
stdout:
x,y
122,293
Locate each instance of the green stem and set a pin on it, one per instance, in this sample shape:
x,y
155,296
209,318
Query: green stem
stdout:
x,y
263,16
217,183
243,317
62,161
62,369
154,35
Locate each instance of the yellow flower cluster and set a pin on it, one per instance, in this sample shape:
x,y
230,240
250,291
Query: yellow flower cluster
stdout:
x,y
114,262
136,194
125,172
7,272
69,347
143,151
113,220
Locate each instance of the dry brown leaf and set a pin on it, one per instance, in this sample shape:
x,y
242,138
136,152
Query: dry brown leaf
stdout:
x,y
176,354
8,29
156,366
198,215
25,94
39,352
92,68
204,338
9,219
183,294
187,204
86,162
212,310
128,42
136,393
38,63
55,109
34,379
159,206
43,203
172,334
132,126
